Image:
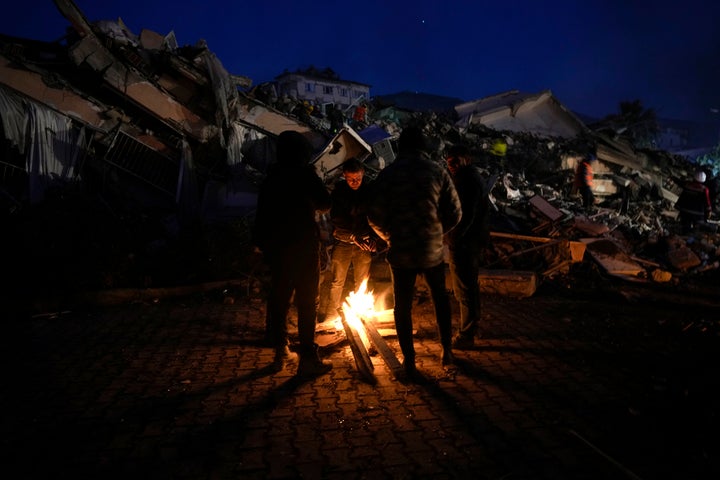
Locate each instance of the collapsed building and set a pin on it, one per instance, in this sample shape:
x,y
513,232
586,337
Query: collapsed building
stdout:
x,y
529,146
159,151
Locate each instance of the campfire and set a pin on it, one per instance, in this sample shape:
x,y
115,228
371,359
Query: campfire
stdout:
x,y
358,309
359,317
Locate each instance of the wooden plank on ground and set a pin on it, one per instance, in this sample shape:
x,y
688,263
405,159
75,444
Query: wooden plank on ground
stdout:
x,y
362,357
385,351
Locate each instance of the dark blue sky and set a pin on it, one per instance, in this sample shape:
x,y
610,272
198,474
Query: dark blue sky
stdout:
x,y
591,54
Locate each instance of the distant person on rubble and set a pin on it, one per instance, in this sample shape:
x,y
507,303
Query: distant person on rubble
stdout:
x,y
360,116
336,118
414,204
712,182
694,203
286,233
467,242
303,111
355,241
583,181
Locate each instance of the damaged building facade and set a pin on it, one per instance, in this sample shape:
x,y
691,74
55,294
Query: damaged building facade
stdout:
x,y
321,87
138,109
136,123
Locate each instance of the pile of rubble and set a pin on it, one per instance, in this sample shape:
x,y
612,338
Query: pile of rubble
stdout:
x,y
141,160
539,225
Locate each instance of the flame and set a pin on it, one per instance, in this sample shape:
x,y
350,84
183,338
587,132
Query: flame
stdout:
x,y
358,305
360,302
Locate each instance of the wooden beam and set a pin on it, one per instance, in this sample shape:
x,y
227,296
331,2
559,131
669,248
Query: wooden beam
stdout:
x,y
362,357
521,237
385,351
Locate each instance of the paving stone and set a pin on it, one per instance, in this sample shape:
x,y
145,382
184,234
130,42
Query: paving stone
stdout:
x,y
185,392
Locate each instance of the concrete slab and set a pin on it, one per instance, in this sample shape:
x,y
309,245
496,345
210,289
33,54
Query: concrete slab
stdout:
x,y
510,283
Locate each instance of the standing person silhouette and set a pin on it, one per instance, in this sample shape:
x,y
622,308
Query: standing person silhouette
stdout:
x,y
355,240
467,242
413,205
288,236
694,203
583,181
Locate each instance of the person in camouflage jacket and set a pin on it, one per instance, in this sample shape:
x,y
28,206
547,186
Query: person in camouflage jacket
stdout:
x,y
413,205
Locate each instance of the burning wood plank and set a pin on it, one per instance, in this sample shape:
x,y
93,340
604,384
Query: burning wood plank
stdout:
x,y
362,357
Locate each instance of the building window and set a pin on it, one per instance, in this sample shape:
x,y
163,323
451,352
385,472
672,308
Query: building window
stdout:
x,y
310,87
343,92
358,93
327,90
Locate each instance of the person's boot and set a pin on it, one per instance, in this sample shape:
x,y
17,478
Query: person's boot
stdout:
x,y
412,374
281,358
410,368
311,365
448,359
463,342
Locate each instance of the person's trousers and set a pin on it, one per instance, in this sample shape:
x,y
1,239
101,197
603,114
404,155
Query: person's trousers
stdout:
x,y
587,195
343,255
294,270
689,220
464,271
404,292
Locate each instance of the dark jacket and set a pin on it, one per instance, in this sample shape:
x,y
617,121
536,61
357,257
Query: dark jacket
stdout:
x,y
288,201
413,204
473,231
348,212
694,200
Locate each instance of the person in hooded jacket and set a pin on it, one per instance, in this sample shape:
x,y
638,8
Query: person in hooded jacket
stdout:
x,y
287,234
413,204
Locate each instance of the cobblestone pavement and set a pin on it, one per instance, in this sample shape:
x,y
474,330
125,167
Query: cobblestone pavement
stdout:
x,y
602,386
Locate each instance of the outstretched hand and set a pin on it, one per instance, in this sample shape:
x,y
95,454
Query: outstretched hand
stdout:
x,y
366,243
370,244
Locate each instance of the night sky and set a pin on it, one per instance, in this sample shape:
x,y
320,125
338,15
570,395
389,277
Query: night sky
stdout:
x,y
592,54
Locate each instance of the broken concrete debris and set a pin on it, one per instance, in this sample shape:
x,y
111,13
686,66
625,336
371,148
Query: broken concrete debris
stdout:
x,y
145,132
